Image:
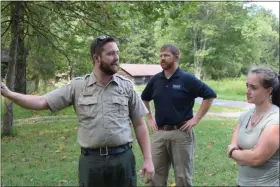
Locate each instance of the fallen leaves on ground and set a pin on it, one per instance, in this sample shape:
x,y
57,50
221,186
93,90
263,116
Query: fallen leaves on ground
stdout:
x,y
63,158
25,160
224,183
63,181
37,163
209,146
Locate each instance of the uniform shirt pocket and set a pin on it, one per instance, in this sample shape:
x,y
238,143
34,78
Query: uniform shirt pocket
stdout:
x,y
119,106
87,107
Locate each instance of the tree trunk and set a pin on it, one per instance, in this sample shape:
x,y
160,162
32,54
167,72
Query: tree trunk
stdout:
x,y
197,72
8,110
200,44
20,80
70,71
203,41
36,83
196,60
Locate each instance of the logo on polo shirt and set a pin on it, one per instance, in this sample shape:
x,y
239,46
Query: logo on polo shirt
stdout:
x,y
177,87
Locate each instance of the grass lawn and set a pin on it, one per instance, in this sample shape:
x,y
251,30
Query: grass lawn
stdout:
x,y
230,89
20,112
47,154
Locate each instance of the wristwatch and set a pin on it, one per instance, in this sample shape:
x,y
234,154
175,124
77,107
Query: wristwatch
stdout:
x,y
230,153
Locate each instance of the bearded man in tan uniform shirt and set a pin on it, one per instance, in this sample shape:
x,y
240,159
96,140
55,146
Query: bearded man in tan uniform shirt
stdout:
x,y
104,103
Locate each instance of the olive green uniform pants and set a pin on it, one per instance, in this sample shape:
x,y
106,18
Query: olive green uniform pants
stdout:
x,y
116,170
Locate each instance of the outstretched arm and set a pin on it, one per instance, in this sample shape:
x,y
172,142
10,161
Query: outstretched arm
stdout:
x,y
33,102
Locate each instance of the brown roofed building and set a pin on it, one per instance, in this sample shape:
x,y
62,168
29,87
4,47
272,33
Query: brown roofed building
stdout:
x,y
139,73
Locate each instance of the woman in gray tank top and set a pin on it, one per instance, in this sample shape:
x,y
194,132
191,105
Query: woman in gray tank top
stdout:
x,y
255,141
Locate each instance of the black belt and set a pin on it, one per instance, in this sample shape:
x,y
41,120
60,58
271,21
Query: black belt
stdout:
x,y
103,151
171,127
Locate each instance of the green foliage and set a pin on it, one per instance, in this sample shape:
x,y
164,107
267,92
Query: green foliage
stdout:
x,y
5,23
217,39
140,49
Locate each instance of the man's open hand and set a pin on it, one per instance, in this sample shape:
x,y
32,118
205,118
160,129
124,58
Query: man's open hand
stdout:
x,y
148,170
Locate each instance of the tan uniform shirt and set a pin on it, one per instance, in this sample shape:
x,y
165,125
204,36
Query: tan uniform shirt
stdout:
x,y
104,112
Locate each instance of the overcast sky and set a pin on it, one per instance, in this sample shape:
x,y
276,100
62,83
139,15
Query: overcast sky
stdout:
x,y
274,6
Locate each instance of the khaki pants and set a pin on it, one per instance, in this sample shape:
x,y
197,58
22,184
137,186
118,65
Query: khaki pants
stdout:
x,y
177,148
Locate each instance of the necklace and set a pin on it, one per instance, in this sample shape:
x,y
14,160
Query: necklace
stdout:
x,y
254,123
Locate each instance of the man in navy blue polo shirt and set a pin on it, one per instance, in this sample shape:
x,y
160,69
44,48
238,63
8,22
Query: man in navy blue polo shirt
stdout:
x,y
173,142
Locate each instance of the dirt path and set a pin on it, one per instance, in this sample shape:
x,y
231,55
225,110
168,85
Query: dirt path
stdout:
x,y
229,103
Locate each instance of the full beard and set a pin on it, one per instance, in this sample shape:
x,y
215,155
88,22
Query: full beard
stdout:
x,y
166,66
107,69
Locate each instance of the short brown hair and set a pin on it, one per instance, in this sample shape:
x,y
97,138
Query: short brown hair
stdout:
x,y
98,43
172,48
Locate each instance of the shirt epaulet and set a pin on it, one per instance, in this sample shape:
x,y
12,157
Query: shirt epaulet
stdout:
x,y
78,78
124,78
78,84
81,78
87,75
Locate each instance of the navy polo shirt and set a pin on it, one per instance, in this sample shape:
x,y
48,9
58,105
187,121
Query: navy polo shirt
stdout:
x,y
174,97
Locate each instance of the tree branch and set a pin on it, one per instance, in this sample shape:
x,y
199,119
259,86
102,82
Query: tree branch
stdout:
x,y
76,15
52,43
6,21
5,7
46,30
39,24
6,29
94,28
82,10
62,16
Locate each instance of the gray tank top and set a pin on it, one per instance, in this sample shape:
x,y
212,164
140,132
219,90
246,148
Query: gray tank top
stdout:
x,y
266,174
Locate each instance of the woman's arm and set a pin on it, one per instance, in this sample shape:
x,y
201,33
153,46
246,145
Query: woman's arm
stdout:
x,y
235,136
266,146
